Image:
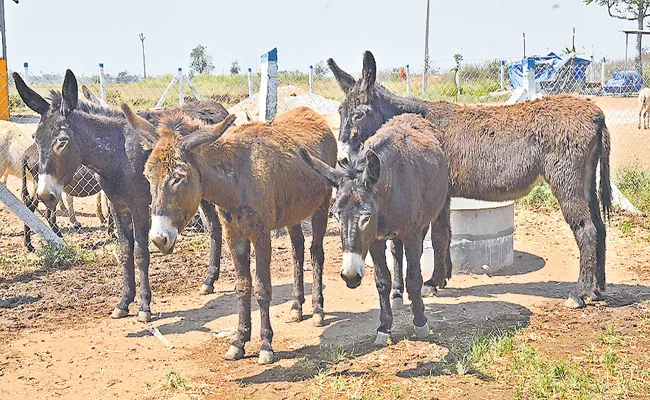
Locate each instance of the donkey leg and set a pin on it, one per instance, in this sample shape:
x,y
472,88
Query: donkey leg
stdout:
x,y
298,255
413,248
31,202
441,242
382,281
263,293
98,209
597,219
50,215
124,224
319,228
214,265
141,226
241,252
68,203
577,215
397,249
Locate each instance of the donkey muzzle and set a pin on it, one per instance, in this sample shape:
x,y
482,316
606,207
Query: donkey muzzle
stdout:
x,y
163,234
353,269
48,190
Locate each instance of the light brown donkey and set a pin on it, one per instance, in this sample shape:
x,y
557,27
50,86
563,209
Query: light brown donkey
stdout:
x,y
254,174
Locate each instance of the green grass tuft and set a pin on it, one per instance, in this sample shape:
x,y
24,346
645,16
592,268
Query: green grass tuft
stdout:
x,y
540,197
634,182
51,257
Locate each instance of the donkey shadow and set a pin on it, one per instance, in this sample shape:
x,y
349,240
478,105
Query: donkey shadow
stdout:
x,y
224,305
452,323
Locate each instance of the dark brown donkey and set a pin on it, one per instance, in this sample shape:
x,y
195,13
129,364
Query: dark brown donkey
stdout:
x,y
500,152
254,175
396,186
66,138
207,111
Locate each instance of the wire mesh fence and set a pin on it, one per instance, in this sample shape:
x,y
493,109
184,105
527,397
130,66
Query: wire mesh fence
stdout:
x,y
609,84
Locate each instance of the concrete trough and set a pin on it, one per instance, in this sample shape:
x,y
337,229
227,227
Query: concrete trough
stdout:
x,y
481,238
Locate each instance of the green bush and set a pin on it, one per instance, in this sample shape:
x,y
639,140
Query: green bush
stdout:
x,y
56,257
540,197
634,182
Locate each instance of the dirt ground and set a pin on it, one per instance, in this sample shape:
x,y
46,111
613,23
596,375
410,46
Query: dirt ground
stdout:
x,y
57,340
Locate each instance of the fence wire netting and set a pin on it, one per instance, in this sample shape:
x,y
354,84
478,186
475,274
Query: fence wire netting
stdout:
x,y
612,86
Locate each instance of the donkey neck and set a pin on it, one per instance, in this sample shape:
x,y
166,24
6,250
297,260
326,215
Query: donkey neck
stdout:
x,y
101,143
223,174
396,105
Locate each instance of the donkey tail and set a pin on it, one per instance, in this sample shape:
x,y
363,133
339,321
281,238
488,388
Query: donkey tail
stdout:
x,y
605,184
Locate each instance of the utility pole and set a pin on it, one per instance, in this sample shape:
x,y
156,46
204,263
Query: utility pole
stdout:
x,y
144,64
426,52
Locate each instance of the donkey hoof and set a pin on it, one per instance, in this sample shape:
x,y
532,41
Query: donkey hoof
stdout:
x,y
266,357
77,225
206,289
234,353
421,331
144,316
383,339
428,291
318,319
119,313
574,302
295,316
397,303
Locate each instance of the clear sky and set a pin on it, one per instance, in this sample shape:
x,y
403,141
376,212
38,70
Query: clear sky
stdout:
x,y
53,35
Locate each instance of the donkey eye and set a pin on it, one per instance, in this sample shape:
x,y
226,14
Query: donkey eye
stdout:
x,y
363,221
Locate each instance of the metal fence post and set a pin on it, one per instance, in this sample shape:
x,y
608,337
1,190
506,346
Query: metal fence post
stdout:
x,y
269,86
26,73
458,79
102,83
408,80
503,75
311,79
181,95
529,77
250,83
602,73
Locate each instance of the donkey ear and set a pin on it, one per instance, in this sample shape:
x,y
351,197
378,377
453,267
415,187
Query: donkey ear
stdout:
x,y
208,135
373,168
70,93
330,174
32,99
369,73
345,80
89,95
143,129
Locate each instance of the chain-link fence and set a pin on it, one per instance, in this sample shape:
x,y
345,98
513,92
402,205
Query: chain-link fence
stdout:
x,y
612,86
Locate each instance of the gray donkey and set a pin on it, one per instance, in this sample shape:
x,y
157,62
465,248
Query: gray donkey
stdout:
x,y
498,153
395,188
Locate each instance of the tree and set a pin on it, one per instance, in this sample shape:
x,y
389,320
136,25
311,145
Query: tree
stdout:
x,y
631,10
200,60
234,67
320,69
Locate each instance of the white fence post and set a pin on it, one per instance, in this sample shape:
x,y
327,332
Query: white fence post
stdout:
x,y
181,95
311,79
26,73
529,77
408,80
102,84
29,217
269,85
250,83
503,75
602,73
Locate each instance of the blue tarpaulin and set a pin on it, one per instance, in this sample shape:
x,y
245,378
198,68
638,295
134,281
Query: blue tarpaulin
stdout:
x,y
562,70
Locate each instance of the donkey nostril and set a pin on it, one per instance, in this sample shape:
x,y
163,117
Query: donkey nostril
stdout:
x,y
164,240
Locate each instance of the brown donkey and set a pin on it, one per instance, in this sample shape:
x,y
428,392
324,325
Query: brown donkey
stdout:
x,y
396,186
254,175
499,153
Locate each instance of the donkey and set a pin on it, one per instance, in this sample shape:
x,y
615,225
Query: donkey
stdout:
x,y
84,183
67,138
498,153
207,111
254,175
395,188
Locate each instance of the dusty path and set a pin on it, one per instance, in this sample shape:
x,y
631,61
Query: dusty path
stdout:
x,y
106,358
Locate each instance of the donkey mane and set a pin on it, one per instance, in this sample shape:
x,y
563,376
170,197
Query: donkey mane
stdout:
x,y
86,107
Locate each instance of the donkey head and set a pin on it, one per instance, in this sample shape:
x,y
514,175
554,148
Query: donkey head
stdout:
x,y
173,174
362,111
58,151
355,208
